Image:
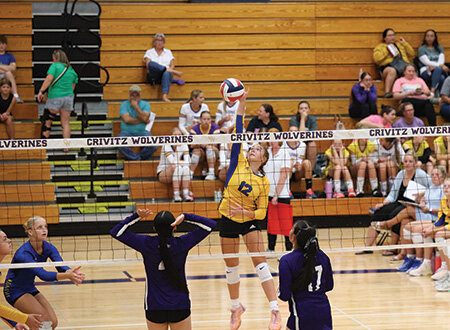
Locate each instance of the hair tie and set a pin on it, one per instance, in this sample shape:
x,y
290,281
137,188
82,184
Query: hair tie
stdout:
x,y
310,241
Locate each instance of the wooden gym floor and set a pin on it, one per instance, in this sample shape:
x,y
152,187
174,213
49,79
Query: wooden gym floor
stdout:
x,y
368,294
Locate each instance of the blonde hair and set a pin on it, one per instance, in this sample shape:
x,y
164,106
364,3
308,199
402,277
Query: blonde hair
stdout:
x,y
61,57
194,94
29,224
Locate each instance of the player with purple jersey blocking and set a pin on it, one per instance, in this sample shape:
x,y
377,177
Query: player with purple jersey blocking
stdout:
x,y
167,302
305,277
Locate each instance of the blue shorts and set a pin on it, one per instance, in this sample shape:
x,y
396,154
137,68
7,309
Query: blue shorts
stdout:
x,y
12,293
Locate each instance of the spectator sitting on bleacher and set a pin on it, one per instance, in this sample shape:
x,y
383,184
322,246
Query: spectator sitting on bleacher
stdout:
x,y
406,110
384,120
412,89
384,55
8,66
7,102
173,168
226,115
190,111
445,100
391,205
338,157
389,154
420,147
136,120
301,167
363,98
363,161
306,122
266,119
160,64
432,59
441,144
202,151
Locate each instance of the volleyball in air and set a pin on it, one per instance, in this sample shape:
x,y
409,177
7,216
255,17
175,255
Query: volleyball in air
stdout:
x,y
231,89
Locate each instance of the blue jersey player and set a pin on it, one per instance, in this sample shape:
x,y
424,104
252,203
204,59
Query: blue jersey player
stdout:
x,y
305,277
167,297
20,290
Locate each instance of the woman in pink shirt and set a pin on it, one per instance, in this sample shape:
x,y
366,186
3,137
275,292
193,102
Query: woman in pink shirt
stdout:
x,y
412,89
384,120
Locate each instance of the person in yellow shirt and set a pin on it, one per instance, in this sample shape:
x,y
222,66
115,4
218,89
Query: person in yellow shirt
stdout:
x,y
385,53
338,156
12,317
243,207
362,157
423,152
441,149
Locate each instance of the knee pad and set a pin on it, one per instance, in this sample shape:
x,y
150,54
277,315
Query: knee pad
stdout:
x,y
263,272
177,173
195,159
406,234
232,275
428,239
210,153
441,240
417,238
49,116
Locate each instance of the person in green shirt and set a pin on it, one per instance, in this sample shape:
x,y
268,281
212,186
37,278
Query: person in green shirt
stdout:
x,y
60,93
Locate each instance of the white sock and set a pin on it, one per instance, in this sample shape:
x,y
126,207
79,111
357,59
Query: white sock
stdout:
x,y
426,261
185,192
411,256
234,304
383,186
374,184
211,170
444,265
359,185
337,186
420,259
274,305
176,194
349,184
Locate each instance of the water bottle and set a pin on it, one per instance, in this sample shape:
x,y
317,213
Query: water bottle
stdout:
x,y
329,189
216,196
153,201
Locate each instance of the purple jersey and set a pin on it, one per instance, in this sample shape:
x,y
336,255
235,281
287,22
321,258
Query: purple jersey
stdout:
x,y
7,58
160,295
213,127
309,308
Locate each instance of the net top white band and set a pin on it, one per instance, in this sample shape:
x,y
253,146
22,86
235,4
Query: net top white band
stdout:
x,y
108,142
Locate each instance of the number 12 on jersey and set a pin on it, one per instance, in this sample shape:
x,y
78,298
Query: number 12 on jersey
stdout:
x,y
245,188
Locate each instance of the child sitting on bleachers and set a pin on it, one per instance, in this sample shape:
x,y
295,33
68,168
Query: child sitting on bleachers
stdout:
x,y
338,157
423,152
362,157
7,102
388,153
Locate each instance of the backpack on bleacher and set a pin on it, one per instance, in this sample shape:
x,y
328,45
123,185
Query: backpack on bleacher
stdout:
x,y
321,164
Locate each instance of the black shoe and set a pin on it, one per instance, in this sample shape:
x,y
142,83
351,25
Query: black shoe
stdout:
x,y
388,96
376,193
361,194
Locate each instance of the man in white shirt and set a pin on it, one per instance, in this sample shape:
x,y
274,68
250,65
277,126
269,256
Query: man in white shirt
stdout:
x,y
161,66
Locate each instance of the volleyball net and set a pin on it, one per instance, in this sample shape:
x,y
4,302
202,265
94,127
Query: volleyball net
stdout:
x,y
83,187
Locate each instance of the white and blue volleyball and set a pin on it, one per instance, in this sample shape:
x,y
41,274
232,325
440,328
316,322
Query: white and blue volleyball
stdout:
x,y
232,90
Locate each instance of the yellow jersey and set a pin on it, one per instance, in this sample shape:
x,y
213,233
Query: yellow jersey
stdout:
x,y
439,141
420,151
444,214
329,155
243,186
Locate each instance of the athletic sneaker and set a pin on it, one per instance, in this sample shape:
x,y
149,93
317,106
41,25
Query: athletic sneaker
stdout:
x,y
177,199
210,177
188,198
407,263
351,193
423,270
416,264
443,286
440,273
441,280
338,195
275,320
235,321
310,194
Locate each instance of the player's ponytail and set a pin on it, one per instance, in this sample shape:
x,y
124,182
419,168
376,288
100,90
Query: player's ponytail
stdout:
x,y
306,241
162,224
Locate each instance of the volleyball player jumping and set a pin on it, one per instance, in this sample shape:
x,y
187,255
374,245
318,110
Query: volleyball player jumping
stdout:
x,y
243,206
20,290
166,301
